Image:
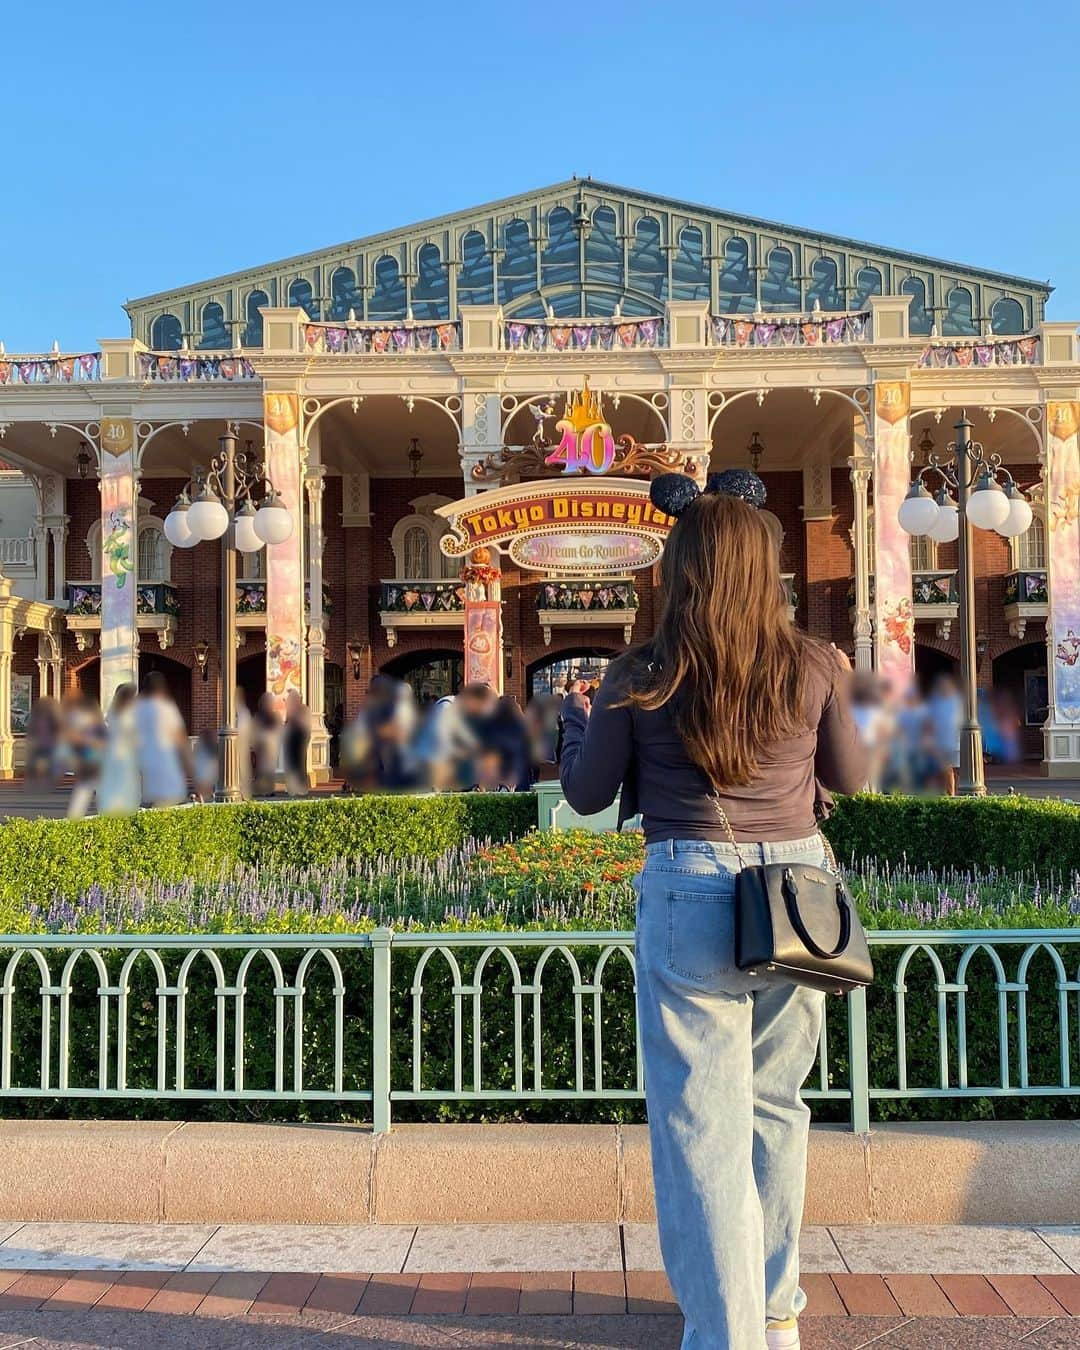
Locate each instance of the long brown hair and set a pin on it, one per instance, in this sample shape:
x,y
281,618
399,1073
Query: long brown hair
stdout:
x,y
725,652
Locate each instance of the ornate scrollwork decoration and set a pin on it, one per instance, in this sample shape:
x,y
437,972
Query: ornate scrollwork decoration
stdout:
x,y
633,459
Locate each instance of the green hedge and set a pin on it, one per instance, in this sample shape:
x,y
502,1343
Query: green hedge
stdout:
x,y
42,858
1011,833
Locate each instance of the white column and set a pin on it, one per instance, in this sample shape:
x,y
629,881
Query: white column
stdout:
x,y
860,464
688,425
481,433
1061,472
315,484
59,532
7,649
41,560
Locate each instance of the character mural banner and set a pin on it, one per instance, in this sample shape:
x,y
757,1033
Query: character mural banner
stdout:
x,y
483,643
284,561
119,591
894,624
1063,556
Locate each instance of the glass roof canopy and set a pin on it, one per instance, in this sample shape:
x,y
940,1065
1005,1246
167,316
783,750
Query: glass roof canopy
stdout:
x,y
581,249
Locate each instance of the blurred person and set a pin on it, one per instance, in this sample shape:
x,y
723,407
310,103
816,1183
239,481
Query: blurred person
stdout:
x,y
488,771
718,730
83,735
945,712
42,742
243,740
356,757
456,731
509,737
266,745
334,728
870,713
910,720
1008,724
204,769
162,745
119,789
294,747
391,717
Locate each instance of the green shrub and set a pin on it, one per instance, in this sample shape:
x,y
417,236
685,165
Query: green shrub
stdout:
x,y
1010,833
40,859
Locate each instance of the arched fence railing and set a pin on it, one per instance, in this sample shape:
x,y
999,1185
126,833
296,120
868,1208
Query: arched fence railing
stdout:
x,y
385,1019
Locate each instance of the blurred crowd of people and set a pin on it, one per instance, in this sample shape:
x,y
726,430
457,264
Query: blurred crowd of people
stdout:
x,y
139,753
915,743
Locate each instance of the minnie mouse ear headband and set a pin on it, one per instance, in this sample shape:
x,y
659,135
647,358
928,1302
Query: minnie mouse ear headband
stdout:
x,y
674,493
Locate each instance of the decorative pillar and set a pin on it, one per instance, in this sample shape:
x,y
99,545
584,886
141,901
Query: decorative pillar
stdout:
x,y
59,532
894,646
41,560
315,484
481,432
285,561
688,426
1061,475
483,621
817,511
7,650
356,619
43,662
119,582
861,465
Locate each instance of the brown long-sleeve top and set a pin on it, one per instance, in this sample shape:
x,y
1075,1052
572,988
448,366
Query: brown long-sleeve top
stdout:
x,y
622,745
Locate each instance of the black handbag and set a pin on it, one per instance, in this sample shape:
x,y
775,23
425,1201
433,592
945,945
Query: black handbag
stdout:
x,y
797,924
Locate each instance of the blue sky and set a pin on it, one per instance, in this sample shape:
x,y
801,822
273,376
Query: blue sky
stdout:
x,y
148,146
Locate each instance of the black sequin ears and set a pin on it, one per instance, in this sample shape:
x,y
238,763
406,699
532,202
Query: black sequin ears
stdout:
x,y
673,493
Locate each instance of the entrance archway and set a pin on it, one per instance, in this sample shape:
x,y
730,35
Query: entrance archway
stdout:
x,y
930,662
251,678
431,674
177,676
1021,691
550,673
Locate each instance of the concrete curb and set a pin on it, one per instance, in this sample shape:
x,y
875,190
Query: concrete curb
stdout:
x,y
145,1171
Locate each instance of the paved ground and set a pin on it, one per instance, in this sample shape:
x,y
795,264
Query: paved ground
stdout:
x,y
129,1287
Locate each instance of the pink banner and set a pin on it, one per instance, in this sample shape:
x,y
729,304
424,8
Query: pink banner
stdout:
x,y
1063,557
483,643
894,647
119,588
285,561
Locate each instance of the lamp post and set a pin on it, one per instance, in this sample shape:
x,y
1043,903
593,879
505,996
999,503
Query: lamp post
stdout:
x,y
224,508
984,502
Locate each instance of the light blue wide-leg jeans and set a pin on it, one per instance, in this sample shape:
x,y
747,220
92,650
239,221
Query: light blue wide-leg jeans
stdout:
x,y
725,1055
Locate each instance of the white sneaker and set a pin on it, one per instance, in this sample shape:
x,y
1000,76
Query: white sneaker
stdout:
x,y
783,1335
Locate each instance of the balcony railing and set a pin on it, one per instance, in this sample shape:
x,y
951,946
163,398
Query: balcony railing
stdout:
x,y
582,335
50,368
183,367
381,339
422,597
1026,588
251,597
790,330
964,352
16,551
930,592
586,595
157,597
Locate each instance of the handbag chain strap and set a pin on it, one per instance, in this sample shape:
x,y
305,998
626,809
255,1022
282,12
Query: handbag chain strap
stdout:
x,y
830,857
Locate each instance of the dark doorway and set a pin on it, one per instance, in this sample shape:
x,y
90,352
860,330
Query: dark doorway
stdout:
x,y
251,678
930,663
431,674
178,677
1021,692
550,673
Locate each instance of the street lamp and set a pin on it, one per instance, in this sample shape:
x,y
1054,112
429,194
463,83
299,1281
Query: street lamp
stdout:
x,y
224,508
983,501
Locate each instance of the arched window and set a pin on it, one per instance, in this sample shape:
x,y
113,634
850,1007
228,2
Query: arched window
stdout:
x,y
648,270
735,292
923,551
431,292
560,262
476,281
823,287
867,283
214,334
603,252
919,321
166,335
517,269
1007,316
959,317
152,564
415,543
253,329
779,290
689,270
1029,548
388,294
343,293
252,566
302,297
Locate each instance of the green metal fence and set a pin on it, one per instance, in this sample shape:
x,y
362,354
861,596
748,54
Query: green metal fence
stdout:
x,y
385,1018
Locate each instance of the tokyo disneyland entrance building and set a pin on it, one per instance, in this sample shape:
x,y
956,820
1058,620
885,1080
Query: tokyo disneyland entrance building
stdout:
x,y
488,393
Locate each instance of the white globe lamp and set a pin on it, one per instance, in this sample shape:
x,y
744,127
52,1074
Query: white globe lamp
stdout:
x,y
918,511
273,524
247,541
988,507
207,517
1019,518
947,526
178,529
